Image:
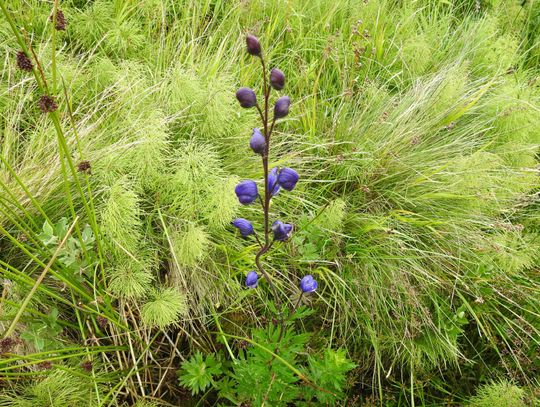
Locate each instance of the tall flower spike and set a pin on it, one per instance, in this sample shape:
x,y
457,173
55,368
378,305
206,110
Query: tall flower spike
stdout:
x,y
247,192
252,279
308,284
282,231
277,79
288,178
253,45
281,108
273,185
246,97
257,141
244,226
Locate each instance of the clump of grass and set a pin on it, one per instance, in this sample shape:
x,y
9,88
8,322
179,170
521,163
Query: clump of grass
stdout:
x,y
498,394
163,308
59,388
190,245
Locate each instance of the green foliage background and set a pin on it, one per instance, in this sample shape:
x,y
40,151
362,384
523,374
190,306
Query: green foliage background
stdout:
x,y
415,127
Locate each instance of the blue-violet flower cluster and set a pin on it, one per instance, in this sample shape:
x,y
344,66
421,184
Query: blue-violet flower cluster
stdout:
x,y
275,179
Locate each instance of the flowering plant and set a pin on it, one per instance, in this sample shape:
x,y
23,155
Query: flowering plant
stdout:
x,y
275,179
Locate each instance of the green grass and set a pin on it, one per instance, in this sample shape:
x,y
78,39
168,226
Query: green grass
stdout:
x,y
415,130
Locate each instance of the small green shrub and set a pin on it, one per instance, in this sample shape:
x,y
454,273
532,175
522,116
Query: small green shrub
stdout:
x,y
261,374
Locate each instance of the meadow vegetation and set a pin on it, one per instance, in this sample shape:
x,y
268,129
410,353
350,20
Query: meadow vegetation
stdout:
x,y
415,128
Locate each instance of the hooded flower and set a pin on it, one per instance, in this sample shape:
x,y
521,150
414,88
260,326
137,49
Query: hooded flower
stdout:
x,y
308,284
253,45
277,78
273,185
282,231
288,178
246,191
281,108
246,97
244,226
252,279
257,142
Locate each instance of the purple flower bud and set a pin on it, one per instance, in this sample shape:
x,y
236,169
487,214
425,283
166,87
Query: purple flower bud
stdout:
x,y
288,178
253,45
246,97
282,231
273,185
277,79
252,279
308,284
244,226
246,191
281,108
257,142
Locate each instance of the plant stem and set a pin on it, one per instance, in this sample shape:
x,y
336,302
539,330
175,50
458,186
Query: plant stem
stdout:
x,y
53,57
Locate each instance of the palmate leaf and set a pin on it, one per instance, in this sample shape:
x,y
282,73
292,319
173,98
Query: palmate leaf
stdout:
x,y
198,373
259,376
329,372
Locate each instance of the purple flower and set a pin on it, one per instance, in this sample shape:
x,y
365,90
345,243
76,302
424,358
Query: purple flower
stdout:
x,y
288,178
277,79
273,185
282,231
252,279
281,108
246,191
257,142
246,97
244,226
253,45
308,284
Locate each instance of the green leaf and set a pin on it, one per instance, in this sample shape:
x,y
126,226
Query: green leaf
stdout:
x,y
198,373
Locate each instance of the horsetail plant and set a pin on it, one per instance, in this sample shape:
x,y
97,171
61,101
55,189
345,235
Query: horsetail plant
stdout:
x,y
274,179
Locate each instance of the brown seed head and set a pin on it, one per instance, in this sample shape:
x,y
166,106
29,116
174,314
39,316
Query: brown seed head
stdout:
x,y
84,166
23,62
61,22
47,104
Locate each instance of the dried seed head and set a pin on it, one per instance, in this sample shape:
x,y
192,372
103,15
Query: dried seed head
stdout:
x,y
61,22
47,104
84,166
87,365
45,365
6,345
102,322
23,62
